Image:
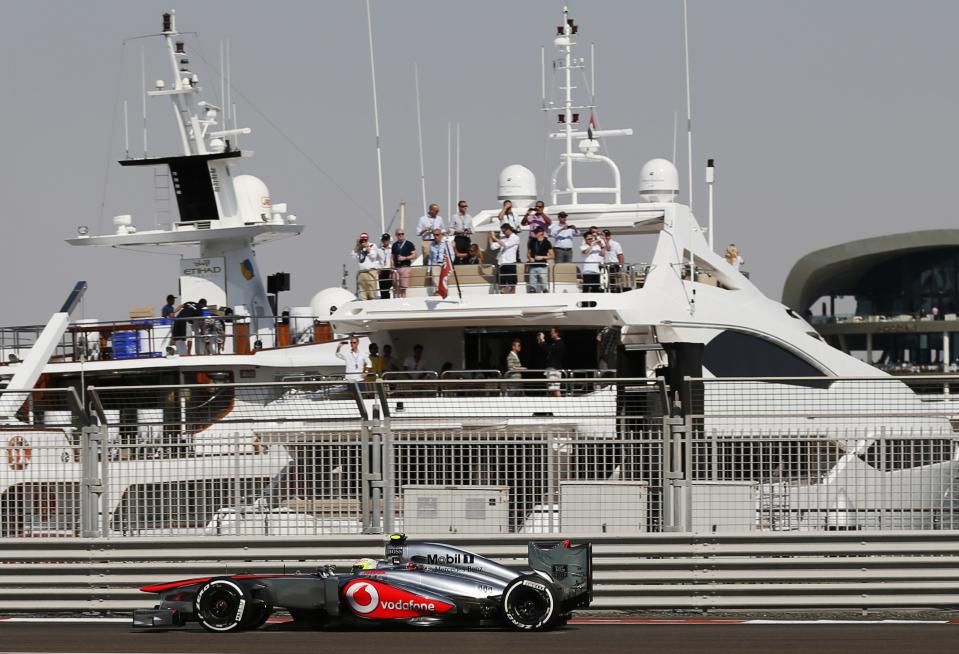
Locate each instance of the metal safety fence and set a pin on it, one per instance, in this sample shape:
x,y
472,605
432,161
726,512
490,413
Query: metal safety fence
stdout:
x,y
584,455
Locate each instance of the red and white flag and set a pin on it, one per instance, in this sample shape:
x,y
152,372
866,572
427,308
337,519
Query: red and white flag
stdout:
x,y
443,288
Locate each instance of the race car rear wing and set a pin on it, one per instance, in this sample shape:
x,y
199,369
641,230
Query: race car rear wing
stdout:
x,y
569,566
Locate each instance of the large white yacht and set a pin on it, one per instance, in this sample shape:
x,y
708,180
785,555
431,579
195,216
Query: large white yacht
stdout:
x,y
686,313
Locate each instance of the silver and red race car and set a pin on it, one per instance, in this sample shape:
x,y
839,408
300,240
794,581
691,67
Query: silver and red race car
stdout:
x,y
415,583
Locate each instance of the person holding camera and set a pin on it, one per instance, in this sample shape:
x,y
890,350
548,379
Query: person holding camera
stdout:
x,y
368,258
385,253
593,251
506,216
461,224
536,218
539,254
508,246
563,235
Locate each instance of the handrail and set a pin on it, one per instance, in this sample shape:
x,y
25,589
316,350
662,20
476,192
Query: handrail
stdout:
x,y
408,375
613,277
487,373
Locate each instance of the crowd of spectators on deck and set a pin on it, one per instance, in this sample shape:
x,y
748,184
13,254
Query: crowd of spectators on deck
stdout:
x,y
384,270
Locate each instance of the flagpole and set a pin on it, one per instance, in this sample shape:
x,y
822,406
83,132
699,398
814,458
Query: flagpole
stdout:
x,y
456,278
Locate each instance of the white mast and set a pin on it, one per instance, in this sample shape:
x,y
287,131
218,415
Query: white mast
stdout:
x,y
588,145
568,104
126,131
376,119
458,196
419,128
710,182
143,85
449,168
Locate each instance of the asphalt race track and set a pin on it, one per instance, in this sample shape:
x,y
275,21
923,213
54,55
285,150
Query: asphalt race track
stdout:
x,y
591,638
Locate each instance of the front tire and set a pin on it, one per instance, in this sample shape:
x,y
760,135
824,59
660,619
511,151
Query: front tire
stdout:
x,y
530,603
222,604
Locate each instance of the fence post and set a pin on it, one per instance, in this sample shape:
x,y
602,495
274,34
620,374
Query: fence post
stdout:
x,y
91,486
387,469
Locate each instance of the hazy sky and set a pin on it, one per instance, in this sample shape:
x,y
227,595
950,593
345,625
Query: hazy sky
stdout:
x,y
829,121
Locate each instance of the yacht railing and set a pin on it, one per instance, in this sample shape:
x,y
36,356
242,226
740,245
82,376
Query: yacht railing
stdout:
x,y
149,338
483,278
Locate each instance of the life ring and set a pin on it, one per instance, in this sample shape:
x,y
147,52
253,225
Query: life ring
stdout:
x,y
19,453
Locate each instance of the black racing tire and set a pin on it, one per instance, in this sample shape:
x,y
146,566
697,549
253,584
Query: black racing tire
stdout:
x,y
223,605
530,603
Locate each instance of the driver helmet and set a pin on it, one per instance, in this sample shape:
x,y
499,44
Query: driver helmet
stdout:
x,y
364,564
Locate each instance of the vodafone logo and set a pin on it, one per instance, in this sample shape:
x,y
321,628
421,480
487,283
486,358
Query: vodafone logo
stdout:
x,y
362,597
378,600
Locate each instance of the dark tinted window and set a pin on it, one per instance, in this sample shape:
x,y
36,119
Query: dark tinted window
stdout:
x,y
901,454
733,354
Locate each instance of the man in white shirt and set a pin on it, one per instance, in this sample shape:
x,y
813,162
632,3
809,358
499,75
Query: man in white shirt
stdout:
x,y
592,251
461,226
414,363
385,252
425,227
614,259
356,362
368,259
508,246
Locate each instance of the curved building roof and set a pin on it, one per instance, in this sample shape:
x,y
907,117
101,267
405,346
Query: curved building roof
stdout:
x,y
839,268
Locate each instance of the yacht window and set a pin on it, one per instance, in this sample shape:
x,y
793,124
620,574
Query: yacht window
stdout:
x,y
187,504
769,461
734,354
901,454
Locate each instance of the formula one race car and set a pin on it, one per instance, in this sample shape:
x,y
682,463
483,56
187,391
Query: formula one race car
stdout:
x,y
416,583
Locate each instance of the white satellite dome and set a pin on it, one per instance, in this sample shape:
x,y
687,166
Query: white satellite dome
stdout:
x,y
253,199
658,181
327,301
517,184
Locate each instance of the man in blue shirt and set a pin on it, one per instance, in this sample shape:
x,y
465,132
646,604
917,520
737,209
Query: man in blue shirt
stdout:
x,y
563,235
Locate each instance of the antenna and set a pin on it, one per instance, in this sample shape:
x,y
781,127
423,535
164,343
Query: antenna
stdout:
x,y
449,168
675,126
592,74
458,196
689,115
419,127
143,85
542,70
376,119
126,131
229,89
223,86
236,136
710,182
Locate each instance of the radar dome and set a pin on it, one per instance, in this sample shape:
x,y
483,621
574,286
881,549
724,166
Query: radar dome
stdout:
x,y
518,184
253,199
325,303
658,181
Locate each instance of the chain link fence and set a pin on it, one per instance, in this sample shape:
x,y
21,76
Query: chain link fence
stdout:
x,y
481,456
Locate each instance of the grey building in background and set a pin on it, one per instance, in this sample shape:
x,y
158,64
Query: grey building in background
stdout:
x,y
906,292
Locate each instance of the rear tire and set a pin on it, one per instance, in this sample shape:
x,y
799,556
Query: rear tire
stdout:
x,y
530,603
222,604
